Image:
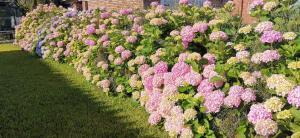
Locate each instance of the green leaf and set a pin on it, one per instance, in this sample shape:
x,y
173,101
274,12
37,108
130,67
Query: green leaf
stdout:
x,y
296,114
203,61
240,131
294,127
216,79
195,66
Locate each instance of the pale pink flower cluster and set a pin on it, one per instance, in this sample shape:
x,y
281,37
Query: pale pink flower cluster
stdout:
x,y
131,39
266,127
214,101
200,27
265,57
257,113
294,97
264,26
218,36
250,79
237,94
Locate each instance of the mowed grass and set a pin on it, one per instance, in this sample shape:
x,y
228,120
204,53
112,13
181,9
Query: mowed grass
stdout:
x,y
46,99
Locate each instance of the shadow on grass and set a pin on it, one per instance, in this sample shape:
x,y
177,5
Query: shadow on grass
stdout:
x,y
39,101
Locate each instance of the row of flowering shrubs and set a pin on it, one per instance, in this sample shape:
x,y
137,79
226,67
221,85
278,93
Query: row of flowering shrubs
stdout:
x,y
197,70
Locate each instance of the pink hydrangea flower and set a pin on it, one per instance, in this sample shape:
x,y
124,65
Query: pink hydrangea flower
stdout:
x,y
52,43
219,35
214,101
266,127
207,3
154,4
143,68
126,54
104,38
60,43
90,29
131,39
125,11
175,122
248,95
169,90
89,42
210,57
256,3
193,78
105,15
148,83
271,37
232,101
205,87
258,112
180,69
184,2
153,102
115,21
106,43
264,26
169,78
161,67
118,61
158,80
182,57
105,83
119,49
269,56
102,27
154,118
200,27
242,55
236,91
294,97
209,72
187,35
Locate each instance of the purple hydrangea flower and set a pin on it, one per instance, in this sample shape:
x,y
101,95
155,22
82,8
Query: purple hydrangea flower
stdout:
x,y
90,29
271,37
89,42
294,97
258,112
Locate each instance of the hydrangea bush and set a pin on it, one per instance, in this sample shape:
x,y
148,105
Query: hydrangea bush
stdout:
x,y
197,71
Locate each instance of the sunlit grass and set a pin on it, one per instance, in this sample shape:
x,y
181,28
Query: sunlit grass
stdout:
x,y
47,99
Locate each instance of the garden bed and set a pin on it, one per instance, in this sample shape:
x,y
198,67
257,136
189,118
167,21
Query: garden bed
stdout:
x,y
197,71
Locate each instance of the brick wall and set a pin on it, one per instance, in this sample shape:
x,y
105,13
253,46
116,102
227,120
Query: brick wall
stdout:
x,y
116,4
242,9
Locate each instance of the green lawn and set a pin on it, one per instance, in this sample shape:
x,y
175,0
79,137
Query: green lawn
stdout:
x,y
47,99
